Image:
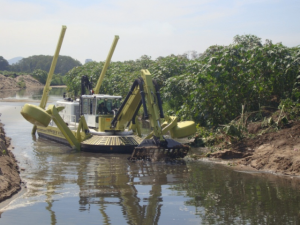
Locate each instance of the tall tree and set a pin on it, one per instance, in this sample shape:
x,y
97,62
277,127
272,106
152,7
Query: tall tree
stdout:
x,y
4,65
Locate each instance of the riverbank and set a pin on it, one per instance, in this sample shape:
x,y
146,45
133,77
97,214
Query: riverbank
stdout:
x,y
10,181
276,152
19,82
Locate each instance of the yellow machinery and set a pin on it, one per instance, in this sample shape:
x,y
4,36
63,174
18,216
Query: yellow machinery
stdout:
x,y
47,87
145,92
108,132
39,117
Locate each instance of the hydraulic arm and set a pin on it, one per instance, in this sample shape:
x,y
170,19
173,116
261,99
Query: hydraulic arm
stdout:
x,y
145,92
47,87
142,93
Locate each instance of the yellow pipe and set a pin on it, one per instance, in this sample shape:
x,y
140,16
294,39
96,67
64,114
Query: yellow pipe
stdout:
x,y
47,87
106,64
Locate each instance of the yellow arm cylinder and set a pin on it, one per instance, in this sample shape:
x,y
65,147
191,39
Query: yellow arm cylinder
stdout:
x,y
152,104
50,74
106,64
65,130
81,126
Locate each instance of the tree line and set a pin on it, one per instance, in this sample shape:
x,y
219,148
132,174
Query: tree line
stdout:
x,y
211,87
38,66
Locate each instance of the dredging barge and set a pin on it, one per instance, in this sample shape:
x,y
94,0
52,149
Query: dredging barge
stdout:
x,y
100,123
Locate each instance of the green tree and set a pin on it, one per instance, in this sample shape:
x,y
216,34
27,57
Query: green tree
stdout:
x,y
212,86
241,73
4,65
40,75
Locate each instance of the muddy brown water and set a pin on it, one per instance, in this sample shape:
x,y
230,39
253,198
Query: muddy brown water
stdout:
x,y
69,187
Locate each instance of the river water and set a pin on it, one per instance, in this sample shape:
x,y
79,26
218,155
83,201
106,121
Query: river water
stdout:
x,y
68,187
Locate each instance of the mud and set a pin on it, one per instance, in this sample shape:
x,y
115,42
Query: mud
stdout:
x,y
275,152
10,182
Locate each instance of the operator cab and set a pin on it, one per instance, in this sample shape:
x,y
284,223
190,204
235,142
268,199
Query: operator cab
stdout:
x,y
99,110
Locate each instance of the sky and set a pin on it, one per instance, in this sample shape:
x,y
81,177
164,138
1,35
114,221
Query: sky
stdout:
x,y
154,28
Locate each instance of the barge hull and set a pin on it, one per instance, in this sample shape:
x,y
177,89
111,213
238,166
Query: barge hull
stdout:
x,y
96,144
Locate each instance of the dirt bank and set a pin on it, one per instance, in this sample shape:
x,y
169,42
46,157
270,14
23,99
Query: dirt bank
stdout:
x,y
275,152
9,83
10,182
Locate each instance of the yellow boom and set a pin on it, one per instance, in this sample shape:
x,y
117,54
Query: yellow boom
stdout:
x,y
47,87
106,64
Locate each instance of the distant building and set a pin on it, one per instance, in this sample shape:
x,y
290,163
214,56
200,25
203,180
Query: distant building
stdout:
x,y
88,60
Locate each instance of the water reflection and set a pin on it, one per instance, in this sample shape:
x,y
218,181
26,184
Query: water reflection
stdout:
x,y
115,182
30,93
69,187
109,183
134,191
50,201
22,93
229,197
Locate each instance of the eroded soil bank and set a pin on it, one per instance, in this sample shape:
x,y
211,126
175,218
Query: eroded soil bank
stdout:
x,y
10,182
276,152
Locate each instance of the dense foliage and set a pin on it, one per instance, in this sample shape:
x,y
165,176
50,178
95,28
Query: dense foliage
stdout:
x,y
244,73
118,79
212,87
42,75
3,63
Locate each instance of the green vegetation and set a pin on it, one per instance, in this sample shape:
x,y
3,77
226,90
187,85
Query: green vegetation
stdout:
x,y
21,83
211,88
3,63
41,76
38,66
12,74
229,85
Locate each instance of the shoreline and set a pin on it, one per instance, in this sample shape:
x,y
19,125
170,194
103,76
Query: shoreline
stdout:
x,y
283,162
276,151
11,184
10,181
235,165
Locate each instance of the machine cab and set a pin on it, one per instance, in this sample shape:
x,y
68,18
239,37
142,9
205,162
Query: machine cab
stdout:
x,y
99,110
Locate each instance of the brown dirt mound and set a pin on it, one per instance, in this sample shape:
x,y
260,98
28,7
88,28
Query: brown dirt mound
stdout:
x,y
8,83
9,175
277,152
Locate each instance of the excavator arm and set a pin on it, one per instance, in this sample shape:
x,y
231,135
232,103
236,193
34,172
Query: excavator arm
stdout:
x,y
145,92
